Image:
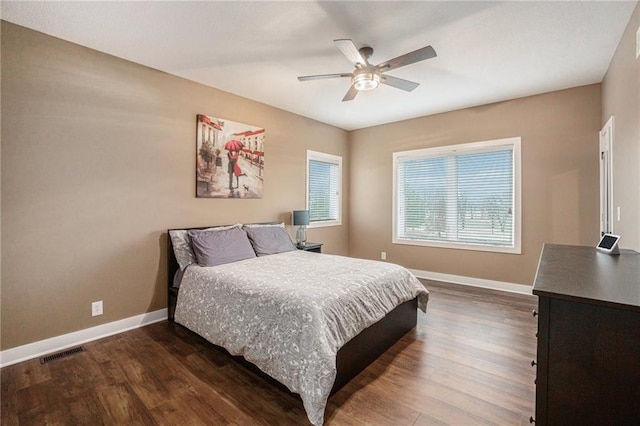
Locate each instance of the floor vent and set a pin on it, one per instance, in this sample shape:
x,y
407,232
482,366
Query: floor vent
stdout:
x,y
53,357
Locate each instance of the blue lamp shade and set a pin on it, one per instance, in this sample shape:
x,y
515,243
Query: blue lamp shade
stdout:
x,y
300,217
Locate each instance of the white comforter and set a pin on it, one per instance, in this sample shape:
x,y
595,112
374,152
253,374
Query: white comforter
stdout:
x,y
290,313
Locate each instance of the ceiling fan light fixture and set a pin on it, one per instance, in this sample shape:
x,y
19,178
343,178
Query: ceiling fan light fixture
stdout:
x,y
366,80
367,76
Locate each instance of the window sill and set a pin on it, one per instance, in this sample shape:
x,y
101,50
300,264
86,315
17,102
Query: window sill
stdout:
x,y
459,246
324,224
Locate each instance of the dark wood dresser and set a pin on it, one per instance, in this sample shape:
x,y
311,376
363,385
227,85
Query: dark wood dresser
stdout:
x,y
588,356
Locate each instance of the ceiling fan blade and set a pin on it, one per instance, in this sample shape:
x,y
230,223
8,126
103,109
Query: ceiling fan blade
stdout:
x,y
399,83
407,59
351,51
351,94
323,76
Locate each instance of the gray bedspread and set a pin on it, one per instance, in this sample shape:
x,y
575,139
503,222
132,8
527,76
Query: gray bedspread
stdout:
x,y
290,313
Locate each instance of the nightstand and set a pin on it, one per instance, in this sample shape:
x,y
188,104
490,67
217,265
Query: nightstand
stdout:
x,y
313,247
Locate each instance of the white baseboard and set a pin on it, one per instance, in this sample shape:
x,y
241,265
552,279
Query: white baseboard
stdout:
x,y
58,343
473,282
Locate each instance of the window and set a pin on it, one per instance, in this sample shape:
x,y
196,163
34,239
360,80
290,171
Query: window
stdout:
x,y
462,196
324,186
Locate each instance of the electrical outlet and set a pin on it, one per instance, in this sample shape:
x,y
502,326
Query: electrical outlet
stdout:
x,y
96,308
383,255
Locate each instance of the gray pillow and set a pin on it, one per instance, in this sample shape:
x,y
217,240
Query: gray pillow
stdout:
x,y
218,246
269,240
181,242
182,248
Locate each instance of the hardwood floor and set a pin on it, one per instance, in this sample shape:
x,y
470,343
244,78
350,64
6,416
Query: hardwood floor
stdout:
x,y
467,363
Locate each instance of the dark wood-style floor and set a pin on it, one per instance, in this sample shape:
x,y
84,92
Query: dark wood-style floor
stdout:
x,y
467,363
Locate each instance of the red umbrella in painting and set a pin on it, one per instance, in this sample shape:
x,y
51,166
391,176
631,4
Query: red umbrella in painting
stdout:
x,y
233,145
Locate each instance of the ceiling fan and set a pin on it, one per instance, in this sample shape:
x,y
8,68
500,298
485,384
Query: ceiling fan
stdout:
x,y
367,76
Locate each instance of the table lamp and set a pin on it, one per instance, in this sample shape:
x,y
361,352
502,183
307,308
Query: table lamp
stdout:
x,y
301,219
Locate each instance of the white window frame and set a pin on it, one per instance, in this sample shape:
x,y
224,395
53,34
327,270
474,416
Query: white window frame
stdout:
x,y
513,143
327,158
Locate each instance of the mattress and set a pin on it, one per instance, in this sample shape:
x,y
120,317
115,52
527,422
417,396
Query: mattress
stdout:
x,y
290,313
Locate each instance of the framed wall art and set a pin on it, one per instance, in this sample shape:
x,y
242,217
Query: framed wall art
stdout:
x,y
229,159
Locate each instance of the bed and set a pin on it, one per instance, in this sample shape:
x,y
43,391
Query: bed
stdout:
x,y
310,321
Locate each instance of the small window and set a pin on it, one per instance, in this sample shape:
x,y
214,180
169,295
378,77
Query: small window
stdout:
x,y
461,196
324,185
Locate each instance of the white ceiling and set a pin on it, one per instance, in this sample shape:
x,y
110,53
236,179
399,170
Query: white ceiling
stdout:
x,y
487,51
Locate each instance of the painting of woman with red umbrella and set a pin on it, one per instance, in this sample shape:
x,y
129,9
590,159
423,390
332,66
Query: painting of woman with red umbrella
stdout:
x,y
234,147
244,145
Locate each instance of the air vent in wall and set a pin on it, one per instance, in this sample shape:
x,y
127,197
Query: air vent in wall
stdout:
x,y
53,357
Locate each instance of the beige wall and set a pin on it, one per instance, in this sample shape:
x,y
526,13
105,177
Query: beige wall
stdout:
x,y
621,99
559,132
98,160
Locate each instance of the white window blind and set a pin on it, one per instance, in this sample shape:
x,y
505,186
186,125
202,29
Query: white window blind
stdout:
x,y
463,196
324,181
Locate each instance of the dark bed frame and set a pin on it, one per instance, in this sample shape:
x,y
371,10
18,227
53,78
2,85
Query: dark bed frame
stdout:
x,y
355,355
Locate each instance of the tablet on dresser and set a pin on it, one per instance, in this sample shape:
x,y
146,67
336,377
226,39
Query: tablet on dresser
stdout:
x,y
609,244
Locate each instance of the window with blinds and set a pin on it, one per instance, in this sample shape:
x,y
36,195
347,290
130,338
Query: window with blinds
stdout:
x,y
324,183
462,196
